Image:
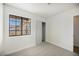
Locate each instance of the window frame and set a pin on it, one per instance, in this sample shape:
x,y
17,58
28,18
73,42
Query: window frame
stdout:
x,y
21,26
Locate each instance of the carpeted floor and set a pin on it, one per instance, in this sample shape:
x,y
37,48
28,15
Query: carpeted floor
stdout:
x,y
44,49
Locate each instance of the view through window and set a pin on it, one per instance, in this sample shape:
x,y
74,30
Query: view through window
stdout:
x,y
19,25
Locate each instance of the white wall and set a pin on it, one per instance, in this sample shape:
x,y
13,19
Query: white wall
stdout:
x,y
12,44
60,29
38,32
1,26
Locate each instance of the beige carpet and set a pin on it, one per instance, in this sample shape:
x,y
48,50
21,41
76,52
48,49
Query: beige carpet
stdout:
x,y
44,49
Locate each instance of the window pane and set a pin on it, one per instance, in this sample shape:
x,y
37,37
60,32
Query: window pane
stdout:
x,y
24,24
12,32
28,26
12,19
24,32
18,21
12,27
28,32
18,32
11,23
18,28
18,24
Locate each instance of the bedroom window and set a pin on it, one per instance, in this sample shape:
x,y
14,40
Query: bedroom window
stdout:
x,y
19,26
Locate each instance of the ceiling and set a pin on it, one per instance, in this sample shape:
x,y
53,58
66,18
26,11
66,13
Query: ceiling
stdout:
x,y
44,9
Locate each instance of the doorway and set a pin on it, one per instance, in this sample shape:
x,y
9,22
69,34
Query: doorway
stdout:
x,y
40,31
43,31
76,34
